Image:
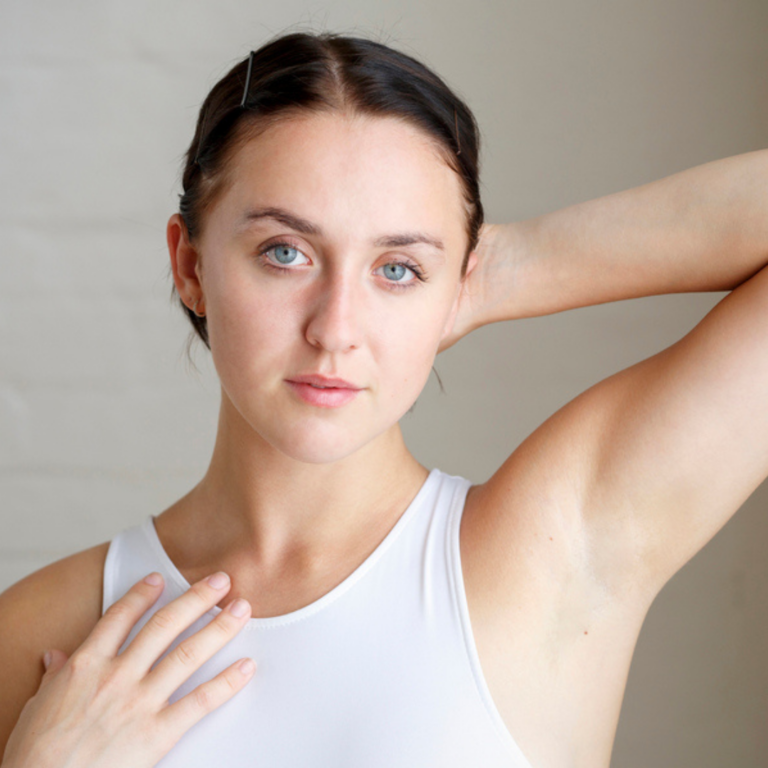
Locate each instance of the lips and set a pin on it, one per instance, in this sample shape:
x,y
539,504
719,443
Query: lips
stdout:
x,y
324,382
322,396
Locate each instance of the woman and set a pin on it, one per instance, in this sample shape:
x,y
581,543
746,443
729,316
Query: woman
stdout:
x,y
329,244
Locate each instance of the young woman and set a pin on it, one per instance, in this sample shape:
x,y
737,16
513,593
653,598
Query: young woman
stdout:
x,y
329,244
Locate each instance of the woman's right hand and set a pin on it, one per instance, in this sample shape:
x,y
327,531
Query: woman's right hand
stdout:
x,y
98,709
493,289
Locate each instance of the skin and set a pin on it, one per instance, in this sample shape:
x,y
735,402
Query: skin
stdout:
x,y
563,549
295,495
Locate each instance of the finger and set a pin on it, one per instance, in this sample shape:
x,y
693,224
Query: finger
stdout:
x,y
57,660
190,654
113,628
164,626
190,709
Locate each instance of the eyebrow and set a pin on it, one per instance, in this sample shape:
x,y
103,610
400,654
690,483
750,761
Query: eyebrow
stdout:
x,y
306,227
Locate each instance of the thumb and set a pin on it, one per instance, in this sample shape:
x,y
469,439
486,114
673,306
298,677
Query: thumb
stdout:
x,y
53,661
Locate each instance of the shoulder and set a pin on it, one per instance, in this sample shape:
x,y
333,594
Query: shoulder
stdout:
x,y
54,607
61,602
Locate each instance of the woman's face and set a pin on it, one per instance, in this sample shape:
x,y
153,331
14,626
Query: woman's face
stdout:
x,y
310,265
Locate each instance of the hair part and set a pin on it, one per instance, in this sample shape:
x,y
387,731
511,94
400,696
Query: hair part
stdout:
x,y
301,73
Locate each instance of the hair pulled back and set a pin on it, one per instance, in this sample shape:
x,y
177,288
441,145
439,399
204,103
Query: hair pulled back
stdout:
x,y
303,72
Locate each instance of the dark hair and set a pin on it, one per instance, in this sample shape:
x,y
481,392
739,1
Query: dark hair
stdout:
x,y
301,72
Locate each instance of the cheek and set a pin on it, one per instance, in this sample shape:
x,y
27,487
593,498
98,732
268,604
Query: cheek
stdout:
x,y
407,353
249,330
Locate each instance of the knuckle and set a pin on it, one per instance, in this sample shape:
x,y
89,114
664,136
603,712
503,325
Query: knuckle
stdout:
x,y
233,680
201,593
185,653
81,662
112,686
119,611
152,698
138,704
224,626
162,621
204,698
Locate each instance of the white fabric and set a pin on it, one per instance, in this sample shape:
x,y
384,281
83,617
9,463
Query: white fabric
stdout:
x,y
381,672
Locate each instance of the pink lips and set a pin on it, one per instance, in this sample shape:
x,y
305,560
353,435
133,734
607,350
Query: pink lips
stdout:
x,y
323,381
323,391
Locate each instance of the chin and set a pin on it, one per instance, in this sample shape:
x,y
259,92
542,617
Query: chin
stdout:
x,y
321,445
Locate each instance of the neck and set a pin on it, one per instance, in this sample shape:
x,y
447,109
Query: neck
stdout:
x,y
265,517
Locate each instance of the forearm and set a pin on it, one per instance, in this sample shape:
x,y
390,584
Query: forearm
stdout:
x,y
703,229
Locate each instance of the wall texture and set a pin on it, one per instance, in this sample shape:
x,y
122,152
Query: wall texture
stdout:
x,y
101,420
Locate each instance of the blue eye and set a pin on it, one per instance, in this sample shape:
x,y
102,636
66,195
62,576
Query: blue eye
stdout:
x,y
284,253
395,271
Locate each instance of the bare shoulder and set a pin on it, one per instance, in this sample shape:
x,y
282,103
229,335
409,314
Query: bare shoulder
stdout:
x,y
54,607
58,604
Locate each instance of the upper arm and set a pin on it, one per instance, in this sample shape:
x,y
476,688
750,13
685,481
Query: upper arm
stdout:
x,y
55,607
668,449
680,440
636,474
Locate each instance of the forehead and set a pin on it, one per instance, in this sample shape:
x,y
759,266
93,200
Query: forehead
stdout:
x,y
355,174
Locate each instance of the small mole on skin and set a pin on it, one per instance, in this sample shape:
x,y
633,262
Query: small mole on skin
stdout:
x,y
585,632
550,538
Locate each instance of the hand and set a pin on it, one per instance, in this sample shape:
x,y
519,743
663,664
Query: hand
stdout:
x,y
488,293
100,710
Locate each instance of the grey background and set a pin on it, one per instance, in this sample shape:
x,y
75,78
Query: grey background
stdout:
x,y
102,422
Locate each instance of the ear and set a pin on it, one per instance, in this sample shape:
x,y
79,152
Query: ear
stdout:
x,y
449,323
471,264
185,263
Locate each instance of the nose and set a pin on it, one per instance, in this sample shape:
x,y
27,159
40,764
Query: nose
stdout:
x,y
335,322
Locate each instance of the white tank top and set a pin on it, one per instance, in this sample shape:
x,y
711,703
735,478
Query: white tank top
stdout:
x,y
381,672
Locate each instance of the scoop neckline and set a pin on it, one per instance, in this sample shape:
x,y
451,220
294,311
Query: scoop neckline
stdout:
x,y
306,611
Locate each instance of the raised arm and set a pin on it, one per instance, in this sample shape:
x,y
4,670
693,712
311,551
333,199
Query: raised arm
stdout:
x,y
703,229
663,453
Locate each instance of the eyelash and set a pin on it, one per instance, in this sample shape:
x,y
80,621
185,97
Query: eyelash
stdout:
x,y
420,275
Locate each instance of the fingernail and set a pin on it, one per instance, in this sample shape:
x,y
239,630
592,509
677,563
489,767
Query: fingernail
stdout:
x,y
155,579
239,608
47,659
247,667
218,580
